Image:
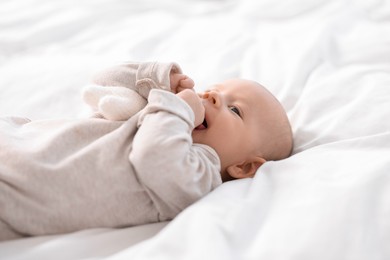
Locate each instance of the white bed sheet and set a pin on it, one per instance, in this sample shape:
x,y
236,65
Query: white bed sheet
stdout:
x,y
327,61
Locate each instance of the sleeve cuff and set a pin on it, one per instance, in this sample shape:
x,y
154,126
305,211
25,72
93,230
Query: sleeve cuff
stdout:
x,y
155,76
160,100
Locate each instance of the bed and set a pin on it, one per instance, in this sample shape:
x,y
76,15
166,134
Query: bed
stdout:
x,y
328,62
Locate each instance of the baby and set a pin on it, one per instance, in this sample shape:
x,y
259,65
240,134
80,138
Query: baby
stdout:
x,y
59,176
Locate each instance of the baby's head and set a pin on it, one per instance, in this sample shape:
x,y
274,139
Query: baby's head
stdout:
x,y
246,125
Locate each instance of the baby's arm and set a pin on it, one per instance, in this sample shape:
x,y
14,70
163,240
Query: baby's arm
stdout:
x,y
142,77
119,92
173,170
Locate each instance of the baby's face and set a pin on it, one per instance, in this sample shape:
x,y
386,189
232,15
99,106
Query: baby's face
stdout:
x,y
236,116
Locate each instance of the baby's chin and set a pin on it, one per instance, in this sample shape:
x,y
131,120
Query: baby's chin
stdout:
x,y
199,136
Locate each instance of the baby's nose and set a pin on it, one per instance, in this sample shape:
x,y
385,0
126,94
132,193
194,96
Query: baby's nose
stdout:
x,y
212,97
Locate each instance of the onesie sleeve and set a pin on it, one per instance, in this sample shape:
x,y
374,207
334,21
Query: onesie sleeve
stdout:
x,y
140,77
174,171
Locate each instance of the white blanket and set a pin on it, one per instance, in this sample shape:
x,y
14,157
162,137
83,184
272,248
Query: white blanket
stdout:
x,y
328,61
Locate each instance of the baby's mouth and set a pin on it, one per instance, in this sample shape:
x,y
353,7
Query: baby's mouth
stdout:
x,y
202,126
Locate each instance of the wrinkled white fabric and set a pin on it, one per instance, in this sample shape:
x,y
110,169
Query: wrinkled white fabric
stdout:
x,y
59,176
326,60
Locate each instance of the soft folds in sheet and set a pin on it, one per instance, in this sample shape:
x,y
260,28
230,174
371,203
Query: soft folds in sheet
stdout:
x,y
330,202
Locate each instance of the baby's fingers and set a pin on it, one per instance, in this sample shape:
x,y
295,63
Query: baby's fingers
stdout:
x,y
187,83
180,89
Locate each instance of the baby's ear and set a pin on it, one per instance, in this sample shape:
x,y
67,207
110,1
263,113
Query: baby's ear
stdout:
x,y
247,169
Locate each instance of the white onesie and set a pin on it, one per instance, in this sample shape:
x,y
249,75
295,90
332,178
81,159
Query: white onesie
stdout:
x,y
60,176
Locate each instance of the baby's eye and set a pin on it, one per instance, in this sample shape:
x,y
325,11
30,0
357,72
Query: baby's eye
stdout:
x,y
235,110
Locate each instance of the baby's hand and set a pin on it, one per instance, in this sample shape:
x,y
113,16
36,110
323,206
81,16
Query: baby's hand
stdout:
x,y
193,100
179,82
